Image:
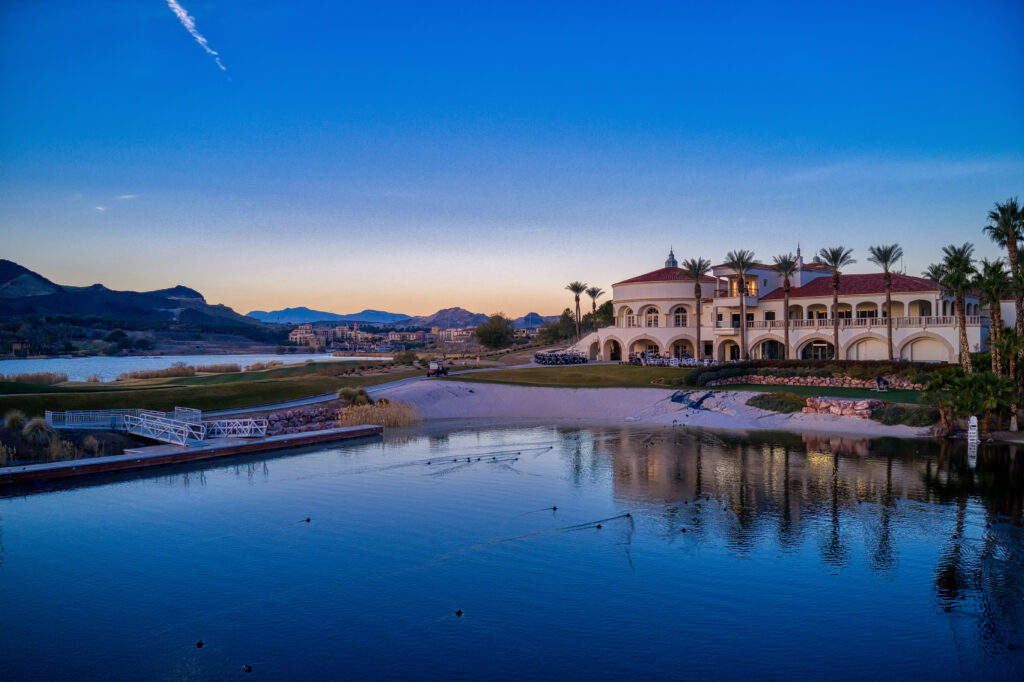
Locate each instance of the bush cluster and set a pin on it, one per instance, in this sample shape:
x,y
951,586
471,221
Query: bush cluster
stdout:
x,y
47,378
907,415
916,372
778,402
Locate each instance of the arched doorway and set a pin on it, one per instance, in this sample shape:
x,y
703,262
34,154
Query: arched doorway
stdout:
x,y
682,349
612,350
729,350
771,350
818,350
595,350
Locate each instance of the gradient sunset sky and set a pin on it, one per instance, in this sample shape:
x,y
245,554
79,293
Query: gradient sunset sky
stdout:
x,y
413,156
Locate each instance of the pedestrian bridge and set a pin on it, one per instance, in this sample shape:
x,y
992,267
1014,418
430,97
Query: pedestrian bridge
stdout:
x,y
184,426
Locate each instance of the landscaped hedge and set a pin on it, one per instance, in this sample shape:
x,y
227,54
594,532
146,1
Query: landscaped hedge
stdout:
x,y
907,415
916,372
777,402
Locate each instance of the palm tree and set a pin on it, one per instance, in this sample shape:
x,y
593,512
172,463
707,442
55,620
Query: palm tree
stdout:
x,y
958,273
993,281
577,288
1006,229
786,265
935,392
594,293
741,262
836,258
1010,345
996,393
886,256
696,269
933,272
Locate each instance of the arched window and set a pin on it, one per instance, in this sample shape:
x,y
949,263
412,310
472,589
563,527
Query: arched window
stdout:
x,y
679,317
651,317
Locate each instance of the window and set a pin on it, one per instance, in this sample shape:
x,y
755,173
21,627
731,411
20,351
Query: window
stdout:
x,y
630,320
651,318
769,316
679,317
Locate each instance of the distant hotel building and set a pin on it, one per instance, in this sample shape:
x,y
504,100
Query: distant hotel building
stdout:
x,y
657,312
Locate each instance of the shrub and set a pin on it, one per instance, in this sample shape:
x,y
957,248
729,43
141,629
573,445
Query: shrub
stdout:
x,y
383,413
724,373
94,379
406,357
778,402
907,415
91,444
14,419
48,378
355,396
38,433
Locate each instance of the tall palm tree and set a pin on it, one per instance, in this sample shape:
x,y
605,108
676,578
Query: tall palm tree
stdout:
x,y
885,257
786,265
836,258
933,272
577,288
594,293
993,281
696,269
741,262
958,274
1006,228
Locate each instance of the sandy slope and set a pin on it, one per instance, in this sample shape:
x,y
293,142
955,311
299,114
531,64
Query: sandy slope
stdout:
x,y
724,410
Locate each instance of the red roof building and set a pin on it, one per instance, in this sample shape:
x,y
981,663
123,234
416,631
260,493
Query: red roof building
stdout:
x,y
857,285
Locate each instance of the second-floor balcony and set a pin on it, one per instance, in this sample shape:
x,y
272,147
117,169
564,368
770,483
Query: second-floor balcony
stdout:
x,y
726,301
728,327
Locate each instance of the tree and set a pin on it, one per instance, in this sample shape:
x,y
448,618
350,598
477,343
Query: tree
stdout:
x,y
602,317
594,293
957,275
697,269
786,265
577,288
993,282
936,392
741,262
885,257
1006,229
497,332
559,330
1010,345
933,272
995,394
835,259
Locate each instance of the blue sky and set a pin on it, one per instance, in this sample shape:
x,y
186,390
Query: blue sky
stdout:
x,y
412,156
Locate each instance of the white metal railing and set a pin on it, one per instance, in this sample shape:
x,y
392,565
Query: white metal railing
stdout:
x,y
726,326
163,428
239,428
188,414
89,419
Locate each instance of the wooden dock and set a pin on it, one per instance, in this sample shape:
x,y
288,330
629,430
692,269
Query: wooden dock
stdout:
x,y
161,455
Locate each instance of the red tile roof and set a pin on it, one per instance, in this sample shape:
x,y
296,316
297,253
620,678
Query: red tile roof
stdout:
x,y
854,285
664,275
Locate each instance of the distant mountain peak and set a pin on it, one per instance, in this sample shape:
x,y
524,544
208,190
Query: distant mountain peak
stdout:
x,y
304,315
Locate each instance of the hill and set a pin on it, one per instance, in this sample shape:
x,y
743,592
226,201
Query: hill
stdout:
x,y
445,319
303,315
533,321
26,293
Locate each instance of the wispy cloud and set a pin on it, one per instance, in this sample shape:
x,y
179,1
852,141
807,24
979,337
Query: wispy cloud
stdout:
x,y
190,25
100,208
127,196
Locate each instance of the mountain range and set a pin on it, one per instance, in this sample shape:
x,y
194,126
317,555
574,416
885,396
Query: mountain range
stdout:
x,y
303,315
23,293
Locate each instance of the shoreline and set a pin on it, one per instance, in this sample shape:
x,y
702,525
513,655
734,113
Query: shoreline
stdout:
x,y
464,402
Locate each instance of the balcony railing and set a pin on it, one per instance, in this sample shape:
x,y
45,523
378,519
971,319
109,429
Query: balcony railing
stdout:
x,y
728,327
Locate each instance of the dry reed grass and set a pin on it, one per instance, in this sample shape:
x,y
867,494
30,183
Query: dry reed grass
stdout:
x,y
259,366
48,378
382,413
179,369
223,368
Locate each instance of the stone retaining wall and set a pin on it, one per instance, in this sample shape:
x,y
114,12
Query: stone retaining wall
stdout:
x,y
844,407
832,382
302,420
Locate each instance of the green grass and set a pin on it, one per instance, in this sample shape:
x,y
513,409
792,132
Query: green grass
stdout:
x,y
204,397
630,376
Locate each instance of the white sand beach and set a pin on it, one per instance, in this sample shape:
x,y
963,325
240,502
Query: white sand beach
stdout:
x,y
438,400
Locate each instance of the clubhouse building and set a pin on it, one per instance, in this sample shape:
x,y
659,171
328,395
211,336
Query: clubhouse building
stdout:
x,y
657,312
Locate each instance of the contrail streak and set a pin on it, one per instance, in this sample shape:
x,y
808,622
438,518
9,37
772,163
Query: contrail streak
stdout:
x,y
190,25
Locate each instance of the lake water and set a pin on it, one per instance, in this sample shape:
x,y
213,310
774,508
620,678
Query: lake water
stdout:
x,y
109,368
774,557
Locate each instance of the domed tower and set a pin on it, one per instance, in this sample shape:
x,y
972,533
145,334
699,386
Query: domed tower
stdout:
x,y
671,262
